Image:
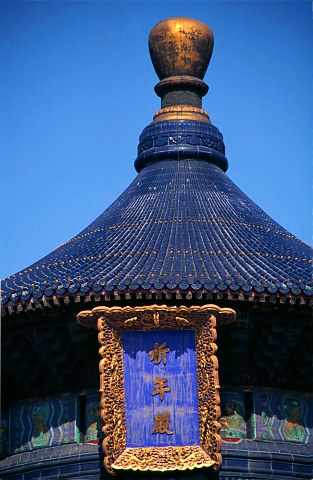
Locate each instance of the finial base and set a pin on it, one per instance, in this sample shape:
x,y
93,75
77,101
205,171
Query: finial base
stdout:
x,y
181,90
182,82
181,112
174,139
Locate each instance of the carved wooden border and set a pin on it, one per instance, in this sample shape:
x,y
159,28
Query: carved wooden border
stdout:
x,y
112,321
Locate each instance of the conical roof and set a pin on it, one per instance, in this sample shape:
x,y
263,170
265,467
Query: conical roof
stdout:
x,y
182,223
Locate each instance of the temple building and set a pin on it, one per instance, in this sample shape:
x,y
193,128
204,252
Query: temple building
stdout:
x,y
183,236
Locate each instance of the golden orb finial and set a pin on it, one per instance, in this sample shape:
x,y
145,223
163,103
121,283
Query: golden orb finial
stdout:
x,y
181,46
180,50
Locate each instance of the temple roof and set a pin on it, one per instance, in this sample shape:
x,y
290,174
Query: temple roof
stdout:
x,y
182,223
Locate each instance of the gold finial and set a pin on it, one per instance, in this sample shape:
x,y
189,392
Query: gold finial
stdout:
x,y
181,46
180,50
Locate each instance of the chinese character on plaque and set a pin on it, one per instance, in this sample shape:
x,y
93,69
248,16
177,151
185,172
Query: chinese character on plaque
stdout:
x,y
160,387
161,423
159,353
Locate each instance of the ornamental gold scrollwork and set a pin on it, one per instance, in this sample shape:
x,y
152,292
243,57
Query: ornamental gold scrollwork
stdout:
x,y
163,459
111,323
112,387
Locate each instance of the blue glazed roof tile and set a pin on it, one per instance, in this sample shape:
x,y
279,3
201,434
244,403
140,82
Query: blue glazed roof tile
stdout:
x,y
181,224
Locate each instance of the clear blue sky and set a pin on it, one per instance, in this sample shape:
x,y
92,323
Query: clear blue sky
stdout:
x,y
76,90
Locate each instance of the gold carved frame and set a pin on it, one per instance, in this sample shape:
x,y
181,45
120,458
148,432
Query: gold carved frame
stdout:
x,y
111,322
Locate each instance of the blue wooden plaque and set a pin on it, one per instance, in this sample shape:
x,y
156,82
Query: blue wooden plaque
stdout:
x,y
178,402
159,384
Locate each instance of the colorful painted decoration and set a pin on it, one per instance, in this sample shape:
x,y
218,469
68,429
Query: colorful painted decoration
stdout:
x,y
4,436
52,421
233,424
93,420
286,418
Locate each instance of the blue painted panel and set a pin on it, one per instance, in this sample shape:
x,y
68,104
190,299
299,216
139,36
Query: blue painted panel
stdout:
x,y
181,402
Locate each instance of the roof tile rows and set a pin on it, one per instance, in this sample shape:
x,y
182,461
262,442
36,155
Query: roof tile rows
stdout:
x,y
182,223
